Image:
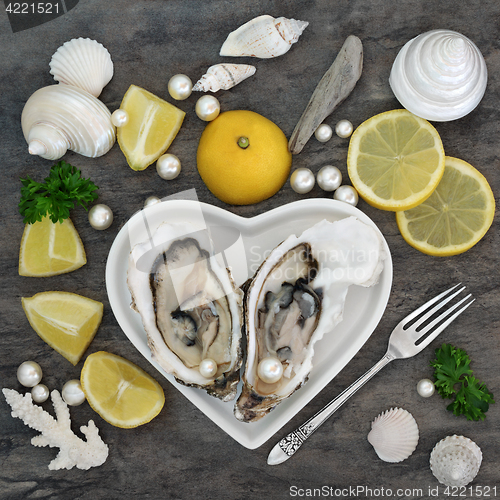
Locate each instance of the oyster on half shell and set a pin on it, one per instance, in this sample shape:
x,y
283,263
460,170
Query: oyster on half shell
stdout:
x,y
296,297
190,308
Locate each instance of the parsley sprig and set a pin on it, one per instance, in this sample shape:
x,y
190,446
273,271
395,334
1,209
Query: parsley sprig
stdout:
x,y
453,378
57,195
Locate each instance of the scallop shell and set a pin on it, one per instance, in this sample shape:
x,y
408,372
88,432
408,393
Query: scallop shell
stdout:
x,y
84,63
455,460
61,117
263,37
439,75
394,435
223,76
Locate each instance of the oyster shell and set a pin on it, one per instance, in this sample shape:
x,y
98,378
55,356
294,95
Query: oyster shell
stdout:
x,y
297,296
190,308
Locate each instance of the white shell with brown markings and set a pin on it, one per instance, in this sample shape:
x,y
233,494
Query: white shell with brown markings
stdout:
x,y
223,76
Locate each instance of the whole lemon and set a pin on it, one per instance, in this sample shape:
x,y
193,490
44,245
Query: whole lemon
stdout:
x,y
243,157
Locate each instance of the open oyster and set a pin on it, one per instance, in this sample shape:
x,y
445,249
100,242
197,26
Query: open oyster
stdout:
x,y
190,308
296,297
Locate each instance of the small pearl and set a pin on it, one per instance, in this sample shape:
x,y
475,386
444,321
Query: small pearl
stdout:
x,y
29,374
207,108
425,388
344,129
100,217
180,87
347,194
270,370
168,167
323,133
119,118
329,178
208,368
152,200
40,393
302,180
72,393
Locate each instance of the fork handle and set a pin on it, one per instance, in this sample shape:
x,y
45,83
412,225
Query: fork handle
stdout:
x,y
293,441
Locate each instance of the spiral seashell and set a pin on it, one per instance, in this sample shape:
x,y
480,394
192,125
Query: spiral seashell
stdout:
x,y
455,460
263,37
83,63
223,76
439,75
394,435
61,117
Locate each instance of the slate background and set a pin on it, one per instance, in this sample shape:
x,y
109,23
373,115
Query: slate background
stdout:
x,y
181,454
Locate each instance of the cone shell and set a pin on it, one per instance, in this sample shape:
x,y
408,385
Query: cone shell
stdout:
x,y
455,460
439,75
223,76
83,63
263,37
394,435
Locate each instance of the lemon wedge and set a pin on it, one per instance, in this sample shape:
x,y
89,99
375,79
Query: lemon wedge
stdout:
x,y
119,391
151,127
456,215
66,321
49,248
395,160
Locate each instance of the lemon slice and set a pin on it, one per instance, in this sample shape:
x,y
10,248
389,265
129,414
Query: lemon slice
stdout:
x,y
151,127
456,215
395,160
48,249
66,321
122,393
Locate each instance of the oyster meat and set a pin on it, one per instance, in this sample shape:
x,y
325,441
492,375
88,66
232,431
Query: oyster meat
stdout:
x,y
296,297
190,308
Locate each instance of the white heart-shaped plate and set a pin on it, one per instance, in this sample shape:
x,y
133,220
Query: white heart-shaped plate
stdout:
x,y
244,243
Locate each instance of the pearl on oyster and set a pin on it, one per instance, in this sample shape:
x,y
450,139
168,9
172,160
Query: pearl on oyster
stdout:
x,y
302,180
270,370
347,194
72,393
180,87
329,178
100,216
168,166
323,133
29,373
151,200
426,388
40,393
119,118
207,108
344,129
208,368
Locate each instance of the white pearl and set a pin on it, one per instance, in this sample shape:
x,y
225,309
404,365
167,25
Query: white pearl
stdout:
x,y
302,180
40,393
29,374
329,178
344,129
323,133
180,87
168,167
100,216
347,194
72,393
207,108
152,200
208,367
425,388
270,370
119,118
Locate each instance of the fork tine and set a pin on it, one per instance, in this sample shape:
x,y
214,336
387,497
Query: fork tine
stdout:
x,y
441,327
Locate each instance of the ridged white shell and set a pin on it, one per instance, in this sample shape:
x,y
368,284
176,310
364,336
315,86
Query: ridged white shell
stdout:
x,y
439,75
263,37
394,435
84,63
61,117
223,76
455,460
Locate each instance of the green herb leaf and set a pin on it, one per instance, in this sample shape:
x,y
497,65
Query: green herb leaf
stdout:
x,y
62,189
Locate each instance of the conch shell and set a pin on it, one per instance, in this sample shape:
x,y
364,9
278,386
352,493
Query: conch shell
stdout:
x,y
440,75
223,76
263,37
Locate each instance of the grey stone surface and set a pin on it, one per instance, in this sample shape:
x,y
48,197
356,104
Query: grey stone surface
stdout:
x,y
181,454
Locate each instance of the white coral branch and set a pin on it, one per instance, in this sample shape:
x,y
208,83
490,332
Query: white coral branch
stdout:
x,y
57,433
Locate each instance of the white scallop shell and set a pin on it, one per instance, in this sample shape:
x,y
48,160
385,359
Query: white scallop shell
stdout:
x,y
439,75
455,460
223,76
394,435
61,117
263,37
84,63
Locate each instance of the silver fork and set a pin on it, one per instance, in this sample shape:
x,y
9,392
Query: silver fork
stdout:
x,y
402,344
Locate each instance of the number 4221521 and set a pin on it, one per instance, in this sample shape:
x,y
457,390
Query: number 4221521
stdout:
x,y
33,8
